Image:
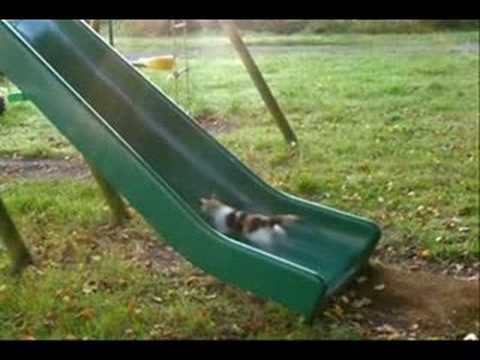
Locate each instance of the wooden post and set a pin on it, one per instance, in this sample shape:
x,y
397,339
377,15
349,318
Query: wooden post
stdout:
x,y
110,32
114,200
95,24
2,104
259,82
16,248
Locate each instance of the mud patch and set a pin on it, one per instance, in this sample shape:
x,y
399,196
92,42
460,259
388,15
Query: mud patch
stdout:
x,y
51,169
145,249
394,303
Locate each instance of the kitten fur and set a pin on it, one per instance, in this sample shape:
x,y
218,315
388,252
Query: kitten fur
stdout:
x,y
258,228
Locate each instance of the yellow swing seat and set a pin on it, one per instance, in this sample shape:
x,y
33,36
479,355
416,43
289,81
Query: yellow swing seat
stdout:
x,y
164,62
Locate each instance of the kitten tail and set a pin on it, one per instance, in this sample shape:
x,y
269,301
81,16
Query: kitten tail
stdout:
x,y
287,219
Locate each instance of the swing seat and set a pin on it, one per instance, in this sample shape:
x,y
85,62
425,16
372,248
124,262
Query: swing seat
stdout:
x,y
164,62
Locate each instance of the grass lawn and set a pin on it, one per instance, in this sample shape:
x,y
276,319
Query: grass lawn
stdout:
x,y
388,127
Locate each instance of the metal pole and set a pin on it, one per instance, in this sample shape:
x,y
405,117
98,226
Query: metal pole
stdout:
x,y
259,82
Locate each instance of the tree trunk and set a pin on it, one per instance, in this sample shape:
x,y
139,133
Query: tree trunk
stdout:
x,y
16,248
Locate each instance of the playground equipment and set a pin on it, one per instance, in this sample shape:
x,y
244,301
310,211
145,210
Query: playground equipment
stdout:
x,y
13,242
163,162
165,62
259,82
7,95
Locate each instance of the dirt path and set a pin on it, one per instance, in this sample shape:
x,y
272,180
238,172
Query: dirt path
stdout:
x,y
50,169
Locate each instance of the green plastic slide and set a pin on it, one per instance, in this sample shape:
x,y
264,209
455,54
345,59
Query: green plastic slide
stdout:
x,y
152,152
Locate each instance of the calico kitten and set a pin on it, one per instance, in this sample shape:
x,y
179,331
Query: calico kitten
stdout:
x,y
258,228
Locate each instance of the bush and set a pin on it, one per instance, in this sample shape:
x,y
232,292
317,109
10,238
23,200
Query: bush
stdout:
x,y
369,26
156,27
161,27
275,26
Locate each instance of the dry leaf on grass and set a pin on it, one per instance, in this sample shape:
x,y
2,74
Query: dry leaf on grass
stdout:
x,y
359,303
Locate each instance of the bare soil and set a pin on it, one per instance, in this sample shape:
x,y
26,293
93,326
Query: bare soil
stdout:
x,y
50,169
403,304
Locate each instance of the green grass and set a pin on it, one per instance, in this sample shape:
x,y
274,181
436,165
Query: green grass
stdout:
x,y
374,126
92,282
388,129
25,132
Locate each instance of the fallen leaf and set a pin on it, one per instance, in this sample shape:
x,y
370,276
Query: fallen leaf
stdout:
x,y
394,336
330,315
425,254
192,279
361,279
414,267
28,337
236,329
87,314
129,333
386,328
471,336
358,316
414,327
157,299
337,309
359,303
89,287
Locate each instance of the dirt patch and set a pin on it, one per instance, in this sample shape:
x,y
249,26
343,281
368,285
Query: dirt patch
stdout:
x,y
410,258
144,249
51,169
394,303
215,125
